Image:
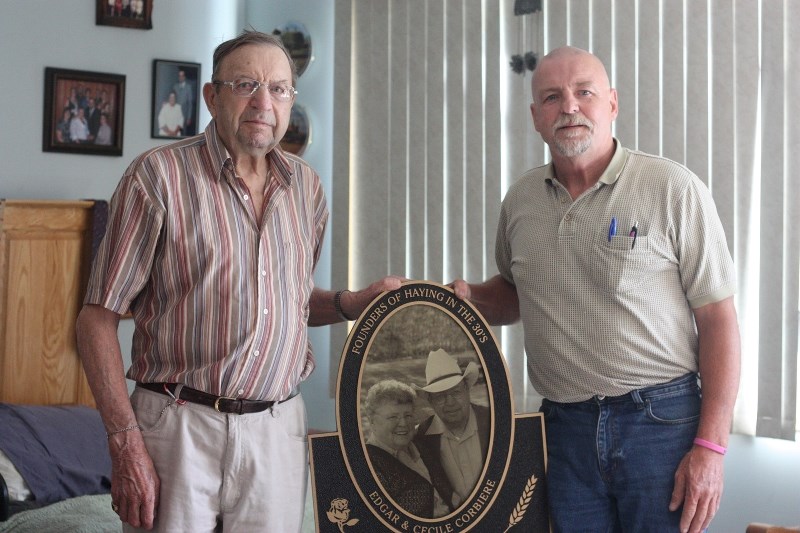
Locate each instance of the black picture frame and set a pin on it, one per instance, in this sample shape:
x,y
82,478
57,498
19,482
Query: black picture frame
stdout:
x,y
92,94
136,14
167,79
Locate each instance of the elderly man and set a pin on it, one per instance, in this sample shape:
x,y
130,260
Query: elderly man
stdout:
x,y
617,263
454,441
211,243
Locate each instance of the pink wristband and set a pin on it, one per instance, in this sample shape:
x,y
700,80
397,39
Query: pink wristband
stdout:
x,y
711,446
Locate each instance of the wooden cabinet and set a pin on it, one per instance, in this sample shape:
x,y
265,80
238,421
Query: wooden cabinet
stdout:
x,y
45,251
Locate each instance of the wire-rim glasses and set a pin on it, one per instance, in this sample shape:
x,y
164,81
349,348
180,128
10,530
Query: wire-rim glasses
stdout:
x,y
245,87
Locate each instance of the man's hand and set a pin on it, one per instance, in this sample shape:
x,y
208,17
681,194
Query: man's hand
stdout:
x,y
321,305
698,486
461,288
495,298
354,303
134,482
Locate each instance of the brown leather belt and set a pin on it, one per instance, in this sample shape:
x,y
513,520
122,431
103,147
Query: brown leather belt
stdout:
x,y
219,403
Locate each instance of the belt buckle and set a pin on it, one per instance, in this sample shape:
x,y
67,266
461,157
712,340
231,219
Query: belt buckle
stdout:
x,y
216,402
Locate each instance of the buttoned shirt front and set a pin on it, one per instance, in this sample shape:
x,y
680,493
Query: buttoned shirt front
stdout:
x,y
220,302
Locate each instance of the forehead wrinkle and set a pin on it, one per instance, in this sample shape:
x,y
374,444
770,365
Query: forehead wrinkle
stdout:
x,y
244,62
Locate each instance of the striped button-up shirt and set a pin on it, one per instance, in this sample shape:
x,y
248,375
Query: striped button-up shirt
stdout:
x,y
220,302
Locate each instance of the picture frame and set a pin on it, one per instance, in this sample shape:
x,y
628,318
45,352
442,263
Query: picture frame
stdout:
x,y
136,14
422,337
95,99
297,40
175,117
298,134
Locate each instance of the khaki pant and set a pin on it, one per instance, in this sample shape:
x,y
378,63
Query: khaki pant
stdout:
x,y
241,472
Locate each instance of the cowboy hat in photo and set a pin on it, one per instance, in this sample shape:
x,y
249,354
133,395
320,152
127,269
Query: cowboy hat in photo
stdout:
x,y
443,373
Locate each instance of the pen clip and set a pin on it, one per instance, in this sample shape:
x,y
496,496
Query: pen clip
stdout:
x,y
633,233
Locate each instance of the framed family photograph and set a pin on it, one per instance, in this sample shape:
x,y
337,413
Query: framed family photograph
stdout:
x,y
83,112
176,92
125,13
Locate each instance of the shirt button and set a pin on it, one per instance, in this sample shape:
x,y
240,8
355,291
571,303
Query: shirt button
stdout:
x,y
568,217
266,311
256,352
241,391
246,197
263,272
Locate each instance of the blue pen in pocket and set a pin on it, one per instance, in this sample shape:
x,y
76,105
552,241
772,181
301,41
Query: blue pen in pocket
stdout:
x,y
612,228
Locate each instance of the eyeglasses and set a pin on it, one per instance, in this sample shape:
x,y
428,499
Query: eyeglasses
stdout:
x,y
456,393
246,87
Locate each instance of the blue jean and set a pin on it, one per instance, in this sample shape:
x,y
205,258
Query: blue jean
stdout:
x,y
612,460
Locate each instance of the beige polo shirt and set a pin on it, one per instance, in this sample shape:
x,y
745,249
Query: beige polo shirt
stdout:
x,y
604,314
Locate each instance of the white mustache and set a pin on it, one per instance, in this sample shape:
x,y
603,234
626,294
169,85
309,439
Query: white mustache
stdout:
x,y
572,120
269,120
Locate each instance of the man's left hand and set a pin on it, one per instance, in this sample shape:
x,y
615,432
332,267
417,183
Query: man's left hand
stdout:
x,y
354,302
698,486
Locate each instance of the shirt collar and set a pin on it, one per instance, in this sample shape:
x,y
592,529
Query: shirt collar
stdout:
x,y
610,174
614,168
220,158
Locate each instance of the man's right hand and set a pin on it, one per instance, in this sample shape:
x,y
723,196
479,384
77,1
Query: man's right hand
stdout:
x,y
134,482
495,298
461,288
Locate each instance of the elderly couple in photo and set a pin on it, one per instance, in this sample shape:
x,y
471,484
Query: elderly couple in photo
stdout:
x,y
428,469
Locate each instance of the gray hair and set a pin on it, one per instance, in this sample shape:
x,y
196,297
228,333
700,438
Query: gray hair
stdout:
x,y
250,37
388,390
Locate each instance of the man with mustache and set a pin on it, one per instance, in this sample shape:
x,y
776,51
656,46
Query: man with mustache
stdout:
x,y
211,243
617,264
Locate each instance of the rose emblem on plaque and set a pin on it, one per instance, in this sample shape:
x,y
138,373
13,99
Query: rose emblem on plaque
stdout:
x,y
339,514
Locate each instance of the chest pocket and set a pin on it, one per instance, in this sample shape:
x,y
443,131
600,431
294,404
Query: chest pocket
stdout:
x,y
618,267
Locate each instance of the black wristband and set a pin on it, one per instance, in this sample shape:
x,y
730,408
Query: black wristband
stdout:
x,y
337,305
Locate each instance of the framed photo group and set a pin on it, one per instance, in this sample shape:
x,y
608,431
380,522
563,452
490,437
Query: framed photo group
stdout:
x,y
125,13
83,112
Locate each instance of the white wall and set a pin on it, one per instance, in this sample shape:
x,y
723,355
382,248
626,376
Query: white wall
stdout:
x,y
762,484
762,475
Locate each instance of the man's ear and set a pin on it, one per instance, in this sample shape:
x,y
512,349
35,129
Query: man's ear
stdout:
x,y
533,116
614,104
210,96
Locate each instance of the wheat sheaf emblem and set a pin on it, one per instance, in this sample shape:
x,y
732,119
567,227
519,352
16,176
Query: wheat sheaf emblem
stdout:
x,y
522,504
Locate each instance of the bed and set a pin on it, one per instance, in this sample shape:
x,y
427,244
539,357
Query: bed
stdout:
x,y
54,465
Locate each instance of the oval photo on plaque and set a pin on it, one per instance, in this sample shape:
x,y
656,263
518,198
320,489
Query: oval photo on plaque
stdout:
x,y
423,339
428,440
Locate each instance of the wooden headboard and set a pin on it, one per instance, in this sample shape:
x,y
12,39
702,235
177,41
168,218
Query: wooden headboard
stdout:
x,y
45,255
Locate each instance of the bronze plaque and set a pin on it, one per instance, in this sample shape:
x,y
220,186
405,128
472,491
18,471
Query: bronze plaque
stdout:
x,y
457,458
